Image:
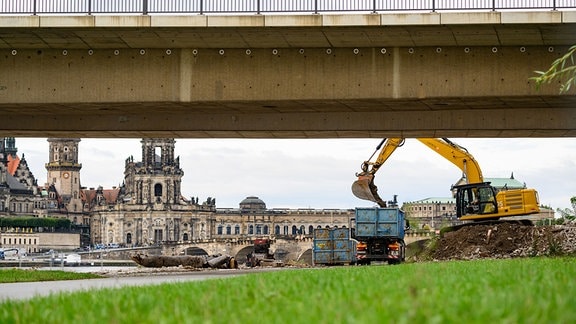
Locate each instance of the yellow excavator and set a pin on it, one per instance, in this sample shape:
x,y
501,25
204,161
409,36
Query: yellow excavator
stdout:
x,y
476,200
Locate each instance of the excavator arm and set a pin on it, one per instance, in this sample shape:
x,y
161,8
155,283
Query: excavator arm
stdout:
x,y
364,187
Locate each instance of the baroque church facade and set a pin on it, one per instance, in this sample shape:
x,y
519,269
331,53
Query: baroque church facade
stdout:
x,y
149,208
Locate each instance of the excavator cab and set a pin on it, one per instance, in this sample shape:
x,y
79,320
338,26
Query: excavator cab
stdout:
x,y
476,199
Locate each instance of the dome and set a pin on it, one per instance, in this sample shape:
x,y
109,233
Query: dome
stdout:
x,y
252,203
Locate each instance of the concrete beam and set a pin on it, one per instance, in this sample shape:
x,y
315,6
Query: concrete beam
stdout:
x,y
485,123
292,31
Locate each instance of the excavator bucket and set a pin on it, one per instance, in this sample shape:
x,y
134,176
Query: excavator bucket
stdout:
x,y
364,188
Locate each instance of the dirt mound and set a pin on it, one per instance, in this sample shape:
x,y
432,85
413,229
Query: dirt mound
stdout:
x,y
504,240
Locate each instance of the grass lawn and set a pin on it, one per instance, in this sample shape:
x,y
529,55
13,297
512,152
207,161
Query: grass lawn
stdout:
x,y
535,290
19,275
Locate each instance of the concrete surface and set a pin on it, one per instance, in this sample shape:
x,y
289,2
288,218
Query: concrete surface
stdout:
x,y
26,290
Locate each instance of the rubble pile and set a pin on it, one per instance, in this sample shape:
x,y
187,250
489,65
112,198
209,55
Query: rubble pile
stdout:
x,y
505,240
159,261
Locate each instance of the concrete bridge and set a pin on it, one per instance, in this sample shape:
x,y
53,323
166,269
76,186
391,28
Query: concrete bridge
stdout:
x,y
292,249
410,74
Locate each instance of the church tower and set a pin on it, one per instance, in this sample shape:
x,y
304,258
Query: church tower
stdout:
x,y
156,180
64,172
8,149
10,146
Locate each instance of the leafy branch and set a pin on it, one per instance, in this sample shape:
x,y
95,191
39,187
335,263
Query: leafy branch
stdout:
x,y
563,68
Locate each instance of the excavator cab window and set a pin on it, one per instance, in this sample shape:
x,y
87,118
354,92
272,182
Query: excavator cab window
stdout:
x,y
476,199
487,200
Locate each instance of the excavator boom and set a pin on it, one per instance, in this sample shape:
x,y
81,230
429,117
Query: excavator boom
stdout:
x,y
458,155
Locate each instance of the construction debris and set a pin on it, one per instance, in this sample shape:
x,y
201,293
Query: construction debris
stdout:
x,y
505,240
159,261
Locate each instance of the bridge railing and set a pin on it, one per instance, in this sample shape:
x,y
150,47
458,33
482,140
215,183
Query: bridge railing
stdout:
x,y
145,7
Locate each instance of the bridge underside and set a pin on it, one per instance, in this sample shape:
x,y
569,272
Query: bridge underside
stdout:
x,y
317,76
538,116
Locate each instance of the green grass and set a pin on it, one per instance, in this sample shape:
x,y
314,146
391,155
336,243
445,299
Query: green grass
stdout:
x,y
19,275
535,290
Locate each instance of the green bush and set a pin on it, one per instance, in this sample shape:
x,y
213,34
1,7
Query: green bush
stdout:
x,y
33,222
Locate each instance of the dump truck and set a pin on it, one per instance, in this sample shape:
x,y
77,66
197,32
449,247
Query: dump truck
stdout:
x,y
380,235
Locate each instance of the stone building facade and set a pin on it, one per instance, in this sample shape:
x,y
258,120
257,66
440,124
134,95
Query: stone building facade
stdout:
x,y
252,218
20,195
148,208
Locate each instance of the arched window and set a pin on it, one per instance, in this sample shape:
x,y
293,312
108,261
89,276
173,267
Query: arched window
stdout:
x,y
285,229
277,230
158,190
310,229
265,230
220,227
302,230
250,229
294,230
258,229
237,230
185,237
129,238
228,230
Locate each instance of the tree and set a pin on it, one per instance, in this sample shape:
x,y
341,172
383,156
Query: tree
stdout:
x,y
30,221
562,68
567,213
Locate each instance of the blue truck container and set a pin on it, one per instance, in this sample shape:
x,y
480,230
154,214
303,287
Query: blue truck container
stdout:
x,y
380,235
379,222
333,246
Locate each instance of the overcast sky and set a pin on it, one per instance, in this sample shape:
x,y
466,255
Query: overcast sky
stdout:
x,y
318,173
